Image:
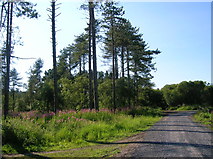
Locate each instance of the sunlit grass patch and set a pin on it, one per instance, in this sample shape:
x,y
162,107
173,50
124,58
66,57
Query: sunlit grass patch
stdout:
x,y
69,129
204,117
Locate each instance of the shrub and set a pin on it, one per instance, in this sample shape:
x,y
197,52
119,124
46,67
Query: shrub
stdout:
x,y
24,133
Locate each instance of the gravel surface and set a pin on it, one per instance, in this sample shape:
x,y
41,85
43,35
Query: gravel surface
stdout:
x,y
176,135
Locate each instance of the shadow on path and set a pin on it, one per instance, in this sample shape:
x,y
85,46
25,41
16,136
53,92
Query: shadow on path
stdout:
x,y
189,131
158,143
194,126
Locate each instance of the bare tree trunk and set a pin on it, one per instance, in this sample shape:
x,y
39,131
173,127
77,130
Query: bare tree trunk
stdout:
x,y
54,58
8,54
2,14
113,70
135,86
122,61
128,75
116,64
13,98
90,60
84,63
94,59
80,64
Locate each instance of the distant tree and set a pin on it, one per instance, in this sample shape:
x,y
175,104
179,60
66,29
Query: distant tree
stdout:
x,y
68,61
46,95
170,95
105,94
190,92
152,97
34,84
15,85
207,96
63,65
80,51
186,93
75,92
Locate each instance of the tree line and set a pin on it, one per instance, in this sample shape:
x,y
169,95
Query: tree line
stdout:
x,y
74,81
198,93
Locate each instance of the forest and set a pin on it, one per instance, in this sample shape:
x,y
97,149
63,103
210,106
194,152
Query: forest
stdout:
x,y
74,87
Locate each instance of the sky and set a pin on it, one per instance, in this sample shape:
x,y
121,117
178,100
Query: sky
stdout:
x,y
180,30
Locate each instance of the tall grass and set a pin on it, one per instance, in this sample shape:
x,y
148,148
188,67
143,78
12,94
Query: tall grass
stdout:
x,y
34,131
204,117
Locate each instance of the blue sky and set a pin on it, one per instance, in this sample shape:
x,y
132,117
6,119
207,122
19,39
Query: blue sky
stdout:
x,y
182,31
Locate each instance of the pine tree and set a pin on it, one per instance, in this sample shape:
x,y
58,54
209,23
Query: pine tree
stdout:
x,y
111,15
34,83
92,29
15,84
8,54
20,9
91,106
93,34
55,78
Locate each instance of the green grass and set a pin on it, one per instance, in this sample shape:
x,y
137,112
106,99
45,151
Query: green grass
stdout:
x,y
91,151
204,118
34,132
184,107
106,151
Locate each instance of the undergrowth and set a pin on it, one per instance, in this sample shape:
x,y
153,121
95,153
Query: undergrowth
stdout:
x,y
204,117
34,131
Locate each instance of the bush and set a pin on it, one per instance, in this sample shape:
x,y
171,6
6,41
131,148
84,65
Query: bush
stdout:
x,y
203,117
24,133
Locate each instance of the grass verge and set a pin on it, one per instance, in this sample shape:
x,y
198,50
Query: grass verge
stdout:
x,y
34,132
204,118
91,151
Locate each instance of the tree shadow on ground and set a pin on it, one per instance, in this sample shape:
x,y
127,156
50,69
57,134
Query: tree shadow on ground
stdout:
x,y
189,131
180,125
23,152
157,143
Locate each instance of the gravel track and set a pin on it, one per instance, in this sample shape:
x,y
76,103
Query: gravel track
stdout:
x,y
176,135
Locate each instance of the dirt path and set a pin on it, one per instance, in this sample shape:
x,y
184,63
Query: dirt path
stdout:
x,y
176,135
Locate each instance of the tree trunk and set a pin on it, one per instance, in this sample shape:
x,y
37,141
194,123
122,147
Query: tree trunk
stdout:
x,y
80,64
2,14
8,54
90,59
54,58
13,98
128,75
116,64
113,65
135,85
84,63
94,59
122,61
